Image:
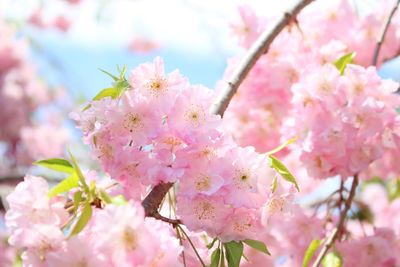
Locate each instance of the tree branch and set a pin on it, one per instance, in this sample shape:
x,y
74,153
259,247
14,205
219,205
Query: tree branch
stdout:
x,y
11,179
260,47
174,222
383,33
153,200
340,225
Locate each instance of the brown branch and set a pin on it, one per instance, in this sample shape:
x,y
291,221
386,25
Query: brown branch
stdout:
x,y
260,47
383,33
340,225
11,179
153,200
158,216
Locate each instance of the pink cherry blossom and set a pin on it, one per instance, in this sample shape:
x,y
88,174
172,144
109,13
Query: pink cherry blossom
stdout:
x,y
342,120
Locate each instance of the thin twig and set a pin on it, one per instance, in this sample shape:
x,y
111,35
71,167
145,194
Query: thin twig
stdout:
x,y
340,225
341,198
260,47
158,216
383,33
192,245
178,234
11,179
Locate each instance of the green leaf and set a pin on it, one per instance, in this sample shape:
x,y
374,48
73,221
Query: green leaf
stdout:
x,y
115,78
282,146
17,261
77,198
393,188
215,257
258,245
332,259
222,259
112,92
79,173
61,165
122,72
234,252
310,251
373,180
83,220
65,185
120,86
104,196
92,191
363,213
283,171
342,62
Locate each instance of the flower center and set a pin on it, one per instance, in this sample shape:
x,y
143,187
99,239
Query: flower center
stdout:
x,y
204,210
203,183
157,86
195,116
242,180
132,122
130,238
242,225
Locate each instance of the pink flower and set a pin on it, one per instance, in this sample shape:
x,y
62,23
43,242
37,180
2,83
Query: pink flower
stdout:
x,y
380,249
61,23
135,123
203,213
78,251
132,241
30,205
342,121
248,28
243,183
190,116
42,141
150,80
203,178
242,224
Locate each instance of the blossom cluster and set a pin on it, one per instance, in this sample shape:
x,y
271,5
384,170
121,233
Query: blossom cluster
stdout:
x,y
313,40
344,122
37,225
161,131
20,91
21,94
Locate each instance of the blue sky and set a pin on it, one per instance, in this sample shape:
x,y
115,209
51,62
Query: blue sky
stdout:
x,y
77,66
